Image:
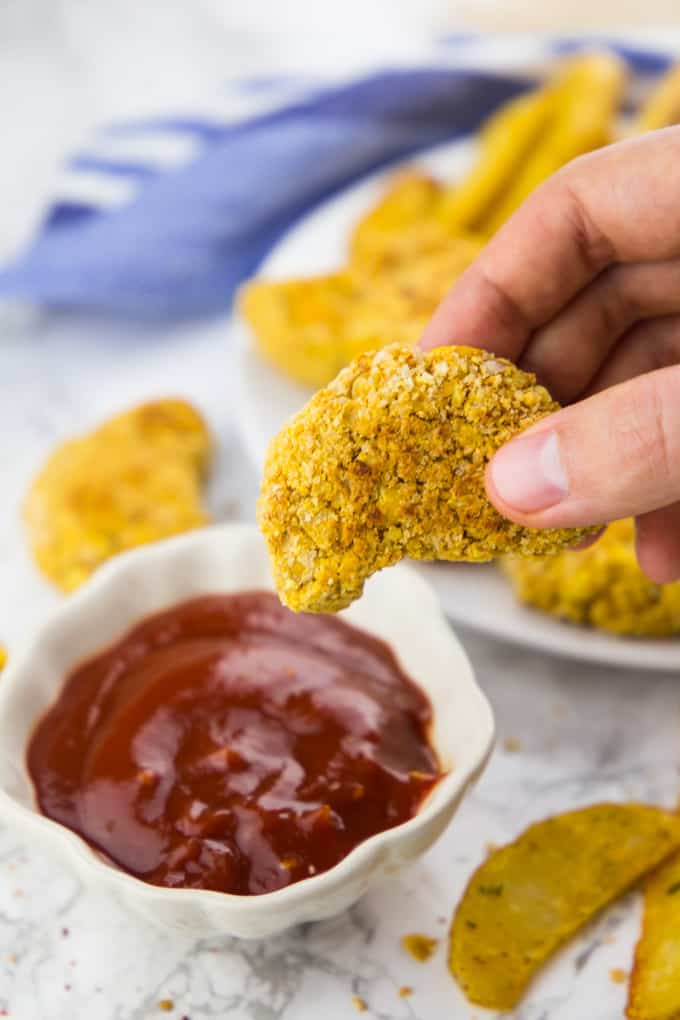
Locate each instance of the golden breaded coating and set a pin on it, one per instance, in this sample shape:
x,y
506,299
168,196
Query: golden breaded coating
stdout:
x,y
3,656
135,479
602,587
300,325
408,201
399,301
406,226
310,329
388,461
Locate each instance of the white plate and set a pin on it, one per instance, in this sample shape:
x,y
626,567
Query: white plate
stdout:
x,y
476,596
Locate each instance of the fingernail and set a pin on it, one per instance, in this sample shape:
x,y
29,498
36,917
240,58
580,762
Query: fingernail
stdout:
x,y
528,474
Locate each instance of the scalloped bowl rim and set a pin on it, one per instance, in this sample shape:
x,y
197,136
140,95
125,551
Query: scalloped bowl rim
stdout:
x,y
180,567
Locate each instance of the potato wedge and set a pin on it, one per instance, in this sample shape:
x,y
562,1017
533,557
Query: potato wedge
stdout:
x,y
587,96
662,106
654,992
530,896
504,143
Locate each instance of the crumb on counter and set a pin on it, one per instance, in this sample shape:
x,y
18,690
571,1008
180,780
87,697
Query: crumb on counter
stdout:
x,y
359,1004
618,975
166,1005
405,992
419,947
512,745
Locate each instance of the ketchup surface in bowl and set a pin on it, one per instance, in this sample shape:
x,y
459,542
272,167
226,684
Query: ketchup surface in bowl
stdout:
x,y
230,744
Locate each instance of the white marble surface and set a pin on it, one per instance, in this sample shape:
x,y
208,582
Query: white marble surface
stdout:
x,y
581,733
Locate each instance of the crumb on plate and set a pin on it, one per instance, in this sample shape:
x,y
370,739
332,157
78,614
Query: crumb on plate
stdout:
x,y
419,947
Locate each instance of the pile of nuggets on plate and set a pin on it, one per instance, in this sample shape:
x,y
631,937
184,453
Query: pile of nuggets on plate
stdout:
x,y
387,460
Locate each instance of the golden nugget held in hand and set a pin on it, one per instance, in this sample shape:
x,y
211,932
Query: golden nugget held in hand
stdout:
x,y
135,479
388,461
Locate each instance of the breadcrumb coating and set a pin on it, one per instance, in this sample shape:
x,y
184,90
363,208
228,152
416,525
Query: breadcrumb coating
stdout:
x,y
135,479
311,328
601,586
409,201
406,225
388,461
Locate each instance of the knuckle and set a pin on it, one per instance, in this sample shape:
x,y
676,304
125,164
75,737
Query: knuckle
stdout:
x,y
592,246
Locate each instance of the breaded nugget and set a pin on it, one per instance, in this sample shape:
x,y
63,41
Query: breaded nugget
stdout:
x,y
310,329
388,461
602,586
408,201
300,325
406,226
135,479
169,425
399,301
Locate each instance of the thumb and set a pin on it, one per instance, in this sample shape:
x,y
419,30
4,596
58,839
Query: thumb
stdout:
x,y
616,454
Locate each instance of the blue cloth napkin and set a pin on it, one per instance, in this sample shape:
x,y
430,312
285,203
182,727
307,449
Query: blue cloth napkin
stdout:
x,y
145,236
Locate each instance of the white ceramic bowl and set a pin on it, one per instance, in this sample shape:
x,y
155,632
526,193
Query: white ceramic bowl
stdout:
x,y
397,606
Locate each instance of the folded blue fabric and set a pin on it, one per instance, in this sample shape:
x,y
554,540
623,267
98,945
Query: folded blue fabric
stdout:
x,y
183,237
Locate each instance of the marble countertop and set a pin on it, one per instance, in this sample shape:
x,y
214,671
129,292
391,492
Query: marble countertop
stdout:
x,y
569,734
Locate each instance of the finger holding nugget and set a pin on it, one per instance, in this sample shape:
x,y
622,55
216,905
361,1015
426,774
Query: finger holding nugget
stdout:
x,y
591,230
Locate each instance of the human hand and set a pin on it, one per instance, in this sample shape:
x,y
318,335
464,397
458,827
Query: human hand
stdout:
x,y
582,287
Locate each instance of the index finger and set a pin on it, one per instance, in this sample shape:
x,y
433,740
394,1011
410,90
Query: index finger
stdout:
x,y
618,204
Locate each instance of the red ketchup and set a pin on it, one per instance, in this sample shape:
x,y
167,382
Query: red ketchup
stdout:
x,y
230,744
